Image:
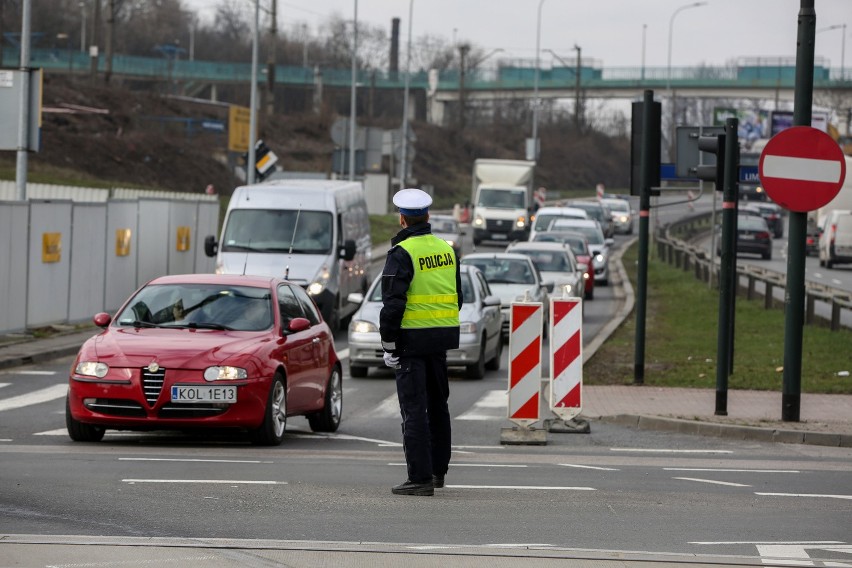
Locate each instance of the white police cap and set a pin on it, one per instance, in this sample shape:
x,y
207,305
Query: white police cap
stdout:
x,y
412,202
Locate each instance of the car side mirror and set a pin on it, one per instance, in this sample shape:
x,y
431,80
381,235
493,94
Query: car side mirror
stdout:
x,y
298,324
489,301
102,319
347,252
211,247
609,242
549,285
355,298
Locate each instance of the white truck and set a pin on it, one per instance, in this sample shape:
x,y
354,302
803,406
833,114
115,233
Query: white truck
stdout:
x,y
502,199
823,221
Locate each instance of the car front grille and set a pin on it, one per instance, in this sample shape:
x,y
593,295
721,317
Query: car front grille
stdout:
x,y
191,410
116,407
498,225
152,384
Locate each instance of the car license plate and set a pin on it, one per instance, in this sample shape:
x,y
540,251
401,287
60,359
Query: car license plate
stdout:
x,y
747,237
203,393
498,237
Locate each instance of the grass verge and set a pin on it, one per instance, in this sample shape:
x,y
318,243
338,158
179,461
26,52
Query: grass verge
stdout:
x,y
681,337
383,228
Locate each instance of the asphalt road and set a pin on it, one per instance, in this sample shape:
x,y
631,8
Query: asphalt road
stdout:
x,y
607,492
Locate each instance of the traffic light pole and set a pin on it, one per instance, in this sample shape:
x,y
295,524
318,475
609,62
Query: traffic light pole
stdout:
x,y
727,272
794,308
644,216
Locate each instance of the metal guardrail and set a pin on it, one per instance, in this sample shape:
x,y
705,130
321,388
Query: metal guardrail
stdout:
x,y
675,247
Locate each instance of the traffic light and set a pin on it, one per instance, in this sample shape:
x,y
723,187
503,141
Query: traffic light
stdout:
x,y
713,172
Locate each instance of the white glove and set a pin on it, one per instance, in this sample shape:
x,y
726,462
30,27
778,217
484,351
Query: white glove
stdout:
x,y
390,360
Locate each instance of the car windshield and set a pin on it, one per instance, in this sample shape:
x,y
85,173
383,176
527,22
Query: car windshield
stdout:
x,y
544,220
199,306
444,226
751,223
277,230
503,270
593,211
548,260
502,198
577,244
620,206
592,234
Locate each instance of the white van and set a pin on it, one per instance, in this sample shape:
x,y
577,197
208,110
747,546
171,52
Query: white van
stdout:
x,y
315,233
835,242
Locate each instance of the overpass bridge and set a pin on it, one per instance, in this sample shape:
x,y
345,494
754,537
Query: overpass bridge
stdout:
x,y
754,78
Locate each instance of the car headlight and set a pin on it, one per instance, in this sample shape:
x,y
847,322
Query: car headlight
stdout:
x,y
478,221
320,282
521,221
467,327
568,289
450,242
224,373
624,218
361,326
92,369
599,258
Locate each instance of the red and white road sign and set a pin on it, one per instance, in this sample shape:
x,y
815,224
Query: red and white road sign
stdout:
x,y
540,196
525,326
566,357
599,191
802,168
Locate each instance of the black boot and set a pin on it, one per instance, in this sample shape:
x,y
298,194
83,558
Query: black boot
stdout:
x,y
411,488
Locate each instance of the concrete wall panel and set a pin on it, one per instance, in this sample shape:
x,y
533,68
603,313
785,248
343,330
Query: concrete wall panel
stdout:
x,y
14,219
121,250
49,262
182,236
208,224
153,259
88,261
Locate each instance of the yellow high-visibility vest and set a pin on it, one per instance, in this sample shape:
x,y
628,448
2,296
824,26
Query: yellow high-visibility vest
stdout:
x,y
432,299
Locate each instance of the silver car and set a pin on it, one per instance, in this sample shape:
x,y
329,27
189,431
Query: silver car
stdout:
x,y
513,277
557,265
480,343
447,228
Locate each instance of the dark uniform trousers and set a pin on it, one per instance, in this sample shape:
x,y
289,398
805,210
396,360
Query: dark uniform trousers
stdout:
x,y
423,390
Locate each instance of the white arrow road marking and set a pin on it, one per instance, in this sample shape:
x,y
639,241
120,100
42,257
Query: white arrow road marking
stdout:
x,y
712,481
35,397
804,169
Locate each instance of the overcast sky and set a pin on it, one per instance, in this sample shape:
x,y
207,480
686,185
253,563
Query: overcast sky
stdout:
x,y
608,31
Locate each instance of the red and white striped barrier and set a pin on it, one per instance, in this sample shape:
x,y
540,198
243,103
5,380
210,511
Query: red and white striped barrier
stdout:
x,y
525,327
566,357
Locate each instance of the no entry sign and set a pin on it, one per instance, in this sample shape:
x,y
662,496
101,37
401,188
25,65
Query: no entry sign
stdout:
x,y
802,168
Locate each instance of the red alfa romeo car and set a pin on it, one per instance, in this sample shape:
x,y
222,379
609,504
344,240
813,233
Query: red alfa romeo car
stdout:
x,y
206,350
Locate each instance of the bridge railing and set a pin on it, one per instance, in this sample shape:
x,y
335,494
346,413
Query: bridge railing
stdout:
x,y
768,73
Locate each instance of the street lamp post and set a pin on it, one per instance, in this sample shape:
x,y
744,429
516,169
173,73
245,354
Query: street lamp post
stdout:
x,y
644,33
352,94
577,109
669,92
533,154
842,47
67,38
253,103
404,157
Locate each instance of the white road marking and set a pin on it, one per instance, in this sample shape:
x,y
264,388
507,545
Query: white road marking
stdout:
x,y
343,354
181,560
588,467
715,542
5,439
712,481
804,169
344,437
110,433
454,464
213,481
192,460
798,555
669,451
35,372
535,487
4,385
731,470
35,397
849,497
494,404
836,281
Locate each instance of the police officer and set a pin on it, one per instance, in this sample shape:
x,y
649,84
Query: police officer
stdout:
x,y
419,322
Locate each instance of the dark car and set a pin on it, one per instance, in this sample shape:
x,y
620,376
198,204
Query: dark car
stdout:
x,y
752,236
771,212
599,212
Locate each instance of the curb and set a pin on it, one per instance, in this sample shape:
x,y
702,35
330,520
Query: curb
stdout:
x,y
730,431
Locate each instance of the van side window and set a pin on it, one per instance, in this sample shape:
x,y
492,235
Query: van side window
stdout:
x,y
288,305
308,305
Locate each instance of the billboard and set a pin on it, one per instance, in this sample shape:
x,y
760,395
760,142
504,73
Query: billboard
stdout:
x,y
783,119
753,123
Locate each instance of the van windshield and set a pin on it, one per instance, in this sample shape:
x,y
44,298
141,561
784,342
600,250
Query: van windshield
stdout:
x,y
271,230
502,198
